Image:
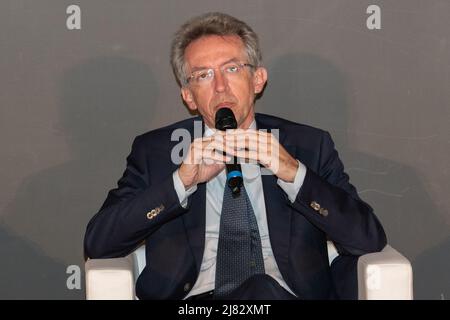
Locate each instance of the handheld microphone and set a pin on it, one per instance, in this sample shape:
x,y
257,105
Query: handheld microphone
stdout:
x,y
225,120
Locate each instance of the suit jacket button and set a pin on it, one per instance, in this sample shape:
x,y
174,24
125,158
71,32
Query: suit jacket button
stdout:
x,y
158,210
151,214
323,212
315,205
187,286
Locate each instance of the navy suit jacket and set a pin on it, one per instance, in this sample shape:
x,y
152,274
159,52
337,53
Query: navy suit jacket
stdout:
x,y
175,236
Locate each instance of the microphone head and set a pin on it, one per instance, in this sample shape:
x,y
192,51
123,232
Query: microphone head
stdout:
x,y
225,119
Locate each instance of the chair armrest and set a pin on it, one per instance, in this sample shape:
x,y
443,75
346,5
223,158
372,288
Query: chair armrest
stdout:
x,y
110,279
385,275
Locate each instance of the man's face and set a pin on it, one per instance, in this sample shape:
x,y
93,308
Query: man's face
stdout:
x,y
235,92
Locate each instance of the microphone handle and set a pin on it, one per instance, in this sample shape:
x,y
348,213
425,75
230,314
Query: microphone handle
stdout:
x,y
234,176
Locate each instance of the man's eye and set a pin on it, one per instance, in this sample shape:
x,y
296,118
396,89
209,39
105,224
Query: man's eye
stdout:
x,y
203,75
232,69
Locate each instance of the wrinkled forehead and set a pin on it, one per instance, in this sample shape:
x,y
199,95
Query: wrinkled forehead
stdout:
x,y
213,51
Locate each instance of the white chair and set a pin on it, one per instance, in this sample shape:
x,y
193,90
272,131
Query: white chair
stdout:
x,y
385,275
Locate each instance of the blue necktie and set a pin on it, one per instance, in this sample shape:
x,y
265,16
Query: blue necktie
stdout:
x,y
239,251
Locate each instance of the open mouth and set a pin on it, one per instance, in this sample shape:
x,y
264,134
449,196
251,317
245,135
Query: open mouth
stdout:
x,y
224,105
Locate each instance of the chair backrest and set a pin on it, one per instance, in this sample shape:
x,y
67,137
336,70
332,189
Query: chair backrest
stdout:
x,y
332,251
139,259
139,256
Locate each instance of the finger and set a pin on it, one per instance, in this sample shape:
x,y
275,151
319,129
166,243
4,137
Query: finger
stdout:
x,y
250,137
194,156
263,149
250,141
218,133
254,156
220,146
215,157
248,132
255,146
204,141
203,146
235,131
198,148
247,155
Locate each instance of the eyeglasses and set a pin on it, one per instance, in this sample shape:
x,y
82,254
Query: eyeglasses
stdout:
x,y
230,71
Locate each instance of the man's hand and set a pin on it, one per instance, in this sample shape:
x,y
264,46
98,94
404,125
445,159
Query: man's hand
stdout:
x,y
203,162
264,148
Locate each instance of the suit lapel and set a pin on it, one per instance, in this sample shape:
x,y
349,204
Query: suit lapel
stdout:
x,y
194,221
277,210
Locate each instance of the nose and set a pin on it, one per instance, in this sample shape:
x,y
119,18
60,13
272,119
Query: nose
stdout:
x,y
220,82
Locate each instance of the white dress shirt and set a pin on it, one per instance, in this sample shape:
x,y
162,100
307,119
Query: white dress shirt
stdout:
x,y
214,198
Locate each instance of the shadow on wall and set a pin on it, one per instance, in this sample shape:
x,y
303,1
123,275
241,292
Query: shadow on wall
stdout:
x,y
105,103
28,273
432,272
308,89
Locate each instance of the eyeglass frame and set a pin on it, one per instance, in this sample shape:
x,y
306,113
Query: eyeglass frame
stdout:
x,y
241,65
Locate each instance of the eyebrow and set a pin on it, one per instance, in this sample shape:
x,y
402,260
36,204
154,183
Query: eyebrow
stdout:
x,y
203,68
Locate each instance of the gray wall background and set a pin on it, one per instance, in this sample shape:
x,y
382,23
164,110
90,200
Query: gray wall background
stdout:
x,y
72,101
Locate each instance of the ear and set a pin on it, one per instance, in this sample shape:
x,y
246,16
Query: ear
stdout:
x,y
188,97
259,79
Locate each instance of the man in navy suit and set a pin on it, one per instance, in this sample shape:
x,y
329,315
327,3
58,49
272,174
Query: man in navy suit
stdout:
x,y
176,207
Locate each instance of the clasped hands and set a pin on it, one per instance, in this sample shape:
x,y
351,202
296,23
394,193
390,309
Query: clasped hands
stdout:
x,y
207,156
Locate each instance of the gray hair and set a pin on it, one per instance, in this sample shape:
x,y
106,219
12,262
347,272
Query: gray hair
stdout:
x,y
213,23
